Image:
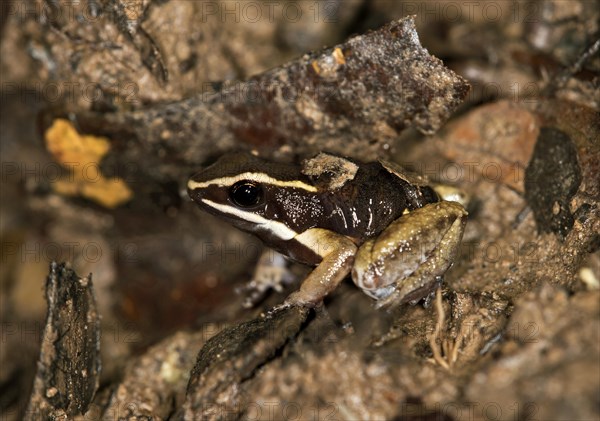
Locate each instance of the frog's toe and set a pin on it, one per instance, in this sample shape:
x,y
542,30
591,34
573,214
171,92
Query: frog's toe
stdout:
x,y
278,309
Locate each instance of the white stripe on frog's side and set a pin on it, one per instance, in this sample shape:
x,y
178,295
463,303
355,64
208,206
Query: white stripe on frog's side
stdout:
x,y
278,229
254,176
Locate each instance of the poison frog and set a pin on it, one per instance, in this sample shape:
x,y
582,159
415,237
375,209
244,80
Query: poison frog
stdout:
x,y
392,230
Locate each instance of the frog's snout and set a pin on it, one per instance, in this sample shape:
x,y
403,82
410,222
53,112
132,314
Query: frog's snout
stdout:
x,y
194,191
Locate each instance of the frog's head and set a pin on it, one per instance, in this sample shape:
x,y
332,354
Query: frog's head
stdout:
x,y
252,194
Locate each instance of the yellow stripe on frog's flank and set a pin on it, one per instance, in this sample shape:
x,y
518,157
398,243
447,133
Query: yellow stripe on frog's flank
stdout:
x,y
253,176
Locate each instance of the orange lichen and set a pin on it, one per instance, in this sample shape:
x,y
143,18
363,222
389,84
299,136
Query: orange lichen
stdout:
x,y
81,155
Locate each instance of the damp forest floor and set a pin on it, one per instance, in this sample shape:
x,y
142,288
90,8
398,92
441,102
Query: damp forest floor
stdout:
x,y
122,300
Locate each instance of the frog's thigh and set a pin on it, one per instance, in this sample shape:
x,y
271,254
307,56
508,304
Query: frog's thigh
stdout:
x,y
337,252
410,253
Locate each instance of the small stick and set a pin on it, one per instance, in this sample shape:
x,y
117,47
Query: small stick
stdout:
x,y
437,355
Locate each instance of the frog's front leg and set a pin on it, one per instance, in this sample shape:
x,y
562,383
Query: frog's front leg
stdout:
x,y
337,253
406,260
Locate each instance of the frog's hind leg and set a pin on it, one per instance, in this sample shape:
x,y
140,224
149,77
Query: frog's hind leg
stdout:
x,y
437,251
403,263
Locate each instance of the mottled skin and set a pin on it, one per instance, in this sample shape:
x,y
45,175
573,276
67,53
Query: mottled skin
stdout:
x,y
390,229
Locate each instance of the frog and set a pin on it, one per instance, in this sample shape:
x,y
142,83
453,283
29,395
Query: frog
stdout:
x,y
394,232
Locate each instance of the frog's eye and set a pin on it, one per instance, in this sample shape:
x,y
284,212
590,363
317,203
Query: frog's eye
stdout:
x,y
246,193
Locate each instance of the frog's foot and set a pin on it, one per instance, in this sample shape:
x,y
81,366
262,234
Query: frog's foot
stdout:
x,y
271,273
405,295
278,308
306,299
298,301
303,299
